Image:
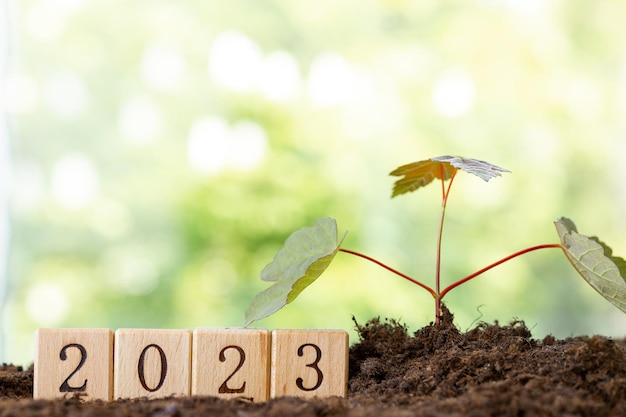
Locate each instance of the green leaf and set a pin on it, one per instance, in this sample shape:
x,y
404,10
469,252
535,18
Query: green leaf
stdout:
x,y
421,173
595,262
304,256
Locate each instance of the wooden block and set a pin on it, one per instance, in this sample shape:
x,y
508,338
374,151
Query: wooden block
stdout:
x,y
69,361
309,363
152,363
231,363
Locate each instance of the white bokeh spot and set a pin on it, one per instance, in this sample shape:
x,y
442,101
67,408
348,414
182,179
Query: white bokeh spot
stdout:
x,y
47,304
214,146
454,94
330,81
75,182
235,61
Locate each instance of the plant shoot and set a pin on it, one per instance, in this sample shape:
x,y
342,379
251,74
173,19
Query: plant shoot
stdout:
x,y
309,251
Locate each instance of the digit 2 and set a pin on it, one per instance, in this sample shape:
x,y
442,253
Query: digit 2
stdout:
x,y
314,365
224,388
65,386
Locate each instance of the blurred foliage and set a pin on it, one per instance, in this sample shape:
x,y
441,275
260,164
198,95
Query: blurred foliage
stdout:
x,y
164,150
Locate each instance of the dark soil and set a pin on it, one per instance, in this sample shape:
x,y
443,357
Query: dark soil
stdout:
x,y
491,370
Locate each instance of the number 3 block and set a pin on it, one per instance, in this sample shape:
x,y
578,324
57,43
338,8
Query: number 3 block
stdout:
x,y
69,361
152,363
309,363
231,363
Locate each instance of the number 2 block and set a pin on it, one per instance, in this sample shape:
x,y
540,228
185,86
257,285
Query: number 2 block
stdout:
x,y
309,363
152,363
231,363
69,361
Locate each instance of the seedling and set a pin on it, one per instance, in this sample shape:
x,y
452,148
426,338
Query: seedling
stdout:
x,y
309,251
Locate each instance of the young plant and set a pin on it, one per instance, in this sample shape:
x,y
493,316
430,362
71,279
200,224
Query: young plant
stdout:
x,y
309,251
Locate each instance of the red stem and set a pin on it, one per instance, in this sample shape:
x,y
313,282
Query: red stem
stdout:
x,y
488,267
438,296
387,267
444,201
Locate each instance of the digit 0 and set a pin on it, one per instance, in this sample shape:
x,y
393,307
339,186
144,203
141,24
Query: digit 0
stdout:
x,y
141,366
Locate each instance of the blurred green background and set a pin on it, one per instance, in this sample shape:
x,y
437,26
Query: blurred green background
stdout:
x,y
162,151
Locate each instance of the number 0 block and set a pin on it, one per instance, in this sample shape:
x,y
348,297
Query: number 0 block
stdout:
x,y
231,363
152,363
309,363
69,361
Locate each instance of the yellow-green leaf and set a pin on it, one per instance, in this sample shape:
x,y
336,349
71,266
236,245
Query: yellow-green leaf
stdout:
x,y
421,173
304,257
595,262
